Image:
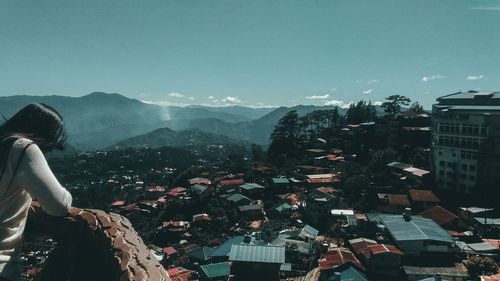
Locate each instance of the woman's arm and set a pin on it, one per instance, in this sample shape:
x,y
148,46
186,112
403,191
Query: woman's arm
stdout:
x,y
35,176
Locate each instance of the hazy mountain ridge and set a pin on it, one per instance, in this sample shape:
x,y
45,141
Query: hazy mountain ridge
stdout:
x,y
99,120
167,137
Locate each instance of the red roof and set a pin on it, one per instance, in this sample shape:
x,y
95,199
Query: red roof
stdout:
x,y
231,182
118,203
360,246
176,192
169,251
398,200
179,274
383,248
199,181
337,256
439,214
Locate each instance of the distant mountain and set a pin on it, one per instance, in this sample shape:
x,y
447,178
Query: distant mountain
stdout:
x,y
168,137
99,120
248,112
254,131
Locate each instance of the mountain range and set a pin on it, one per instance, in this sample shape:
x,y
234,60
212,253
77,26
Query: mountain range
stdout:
x,y
99,120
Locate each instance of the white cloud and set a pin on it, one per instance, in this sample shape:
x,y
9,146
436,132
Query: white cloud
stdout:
x,y
191,98
377,103
231,100
372,81
475,77
368,91
211,97
316,97
483,8
176,95
432,77
338,103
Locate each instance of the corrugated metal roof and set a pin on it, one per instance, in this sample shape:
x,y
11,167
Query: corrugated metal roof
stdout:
x,y
309,232
253,253
250,186
418,228
216,269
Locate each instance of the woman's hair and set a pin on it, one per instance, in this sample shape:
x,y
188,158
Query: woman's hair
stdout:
x,y
37,122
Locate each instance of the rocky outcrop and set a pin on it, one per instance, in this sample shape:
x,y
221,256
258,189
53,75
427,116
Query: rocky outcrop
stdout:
x,y
95,245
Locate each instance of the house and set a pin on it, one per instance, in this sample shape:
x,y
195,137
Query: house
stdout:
x,y
177,192
441,216
457,272
231,183
169,253
252,262
215,271
409,173
239,199
423,199
279,210
180,274
397,203
319,203
336,256
280,184
222,251
200,255
201,218
176,225
200,190
252,188
347,271
202,181
380,259
414,235
251,212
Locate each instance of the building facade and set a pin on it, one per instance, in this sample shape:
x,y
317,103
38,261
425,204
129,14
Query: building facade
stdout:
x,y
466,141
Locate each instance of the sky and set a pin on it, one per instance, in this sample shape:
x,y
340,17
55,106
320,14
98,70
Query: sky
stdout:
x,y
250,53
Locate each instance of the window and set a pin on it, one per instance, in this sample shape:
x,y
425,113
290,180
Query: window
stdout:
x,y
472,168
472,178
464,167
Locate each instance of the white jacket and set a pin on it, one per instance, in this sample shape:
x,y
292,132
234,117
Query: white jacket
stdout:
x,y
32,179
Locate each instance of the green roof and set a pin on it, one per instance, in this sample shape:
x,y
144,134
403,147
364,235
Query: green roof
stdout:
x,y
261,254
250,186
309,232
280,180
216,269
418,228
282,207
237,197
202,254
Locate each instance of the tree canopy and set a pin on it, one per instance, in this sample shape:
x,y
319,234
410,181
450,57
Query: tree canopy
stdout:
x,y
392,106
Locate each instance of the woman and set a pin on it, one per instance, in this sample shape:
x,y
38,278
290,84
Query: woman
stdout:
x,y
34,130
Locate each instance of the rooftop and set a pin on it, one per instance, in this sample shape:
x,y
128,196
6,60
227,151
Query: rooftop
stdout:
x,y
418,228
439,214
216,269
421,195
254,253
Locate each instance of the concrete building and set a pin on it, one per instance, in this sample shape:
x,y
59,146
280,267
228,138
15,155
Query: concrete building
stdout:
x,y
466,141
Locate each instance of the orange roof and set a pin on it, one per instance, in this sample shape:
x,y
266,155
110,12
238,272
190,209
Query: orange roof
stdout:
x,y
439,214
337,256
398,200
419,195
384,248
231,182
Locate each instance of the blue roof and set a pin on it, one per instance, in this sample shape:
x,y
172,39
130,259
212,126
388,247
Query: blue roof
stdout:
x,y
224,249
418,228
349,272
280,180
309,232
216,269
254,253
250,186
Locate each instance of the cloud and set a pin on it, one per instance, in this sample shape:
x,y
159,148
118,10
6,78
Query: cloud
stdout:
x,y
318,97
372,81
211,97
176,95
368,91
377,103
483,8
231,100
432,77
191,98
475,77
338,103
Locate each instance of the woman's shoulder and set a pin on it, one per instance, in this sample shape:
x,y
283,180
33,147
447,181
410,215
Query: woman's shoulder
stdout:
x,y
22,143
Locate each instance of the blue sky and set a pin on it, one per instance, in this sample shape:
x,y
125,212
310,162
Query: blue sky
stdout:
x,y
251,53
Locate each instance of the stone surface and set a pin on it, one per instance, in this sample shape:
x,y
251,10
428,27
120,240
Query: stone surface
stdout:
x,y
95,245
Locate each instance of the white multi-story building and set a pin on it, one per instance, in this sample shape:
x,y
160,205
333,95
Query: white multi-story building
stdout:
x,y
466,141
